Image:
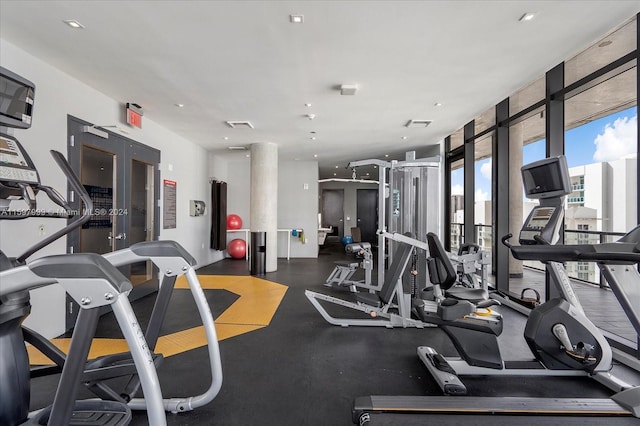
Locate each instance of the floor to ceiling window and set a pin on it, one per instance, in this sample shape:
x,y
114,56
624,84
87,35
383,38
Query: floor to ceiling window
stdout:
x,y
482,193
594,94
457,205
601,146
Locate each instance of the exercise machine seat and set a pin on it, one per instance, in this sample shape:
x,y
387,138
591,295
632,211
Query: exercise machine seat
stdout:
x,y
384,296
442,272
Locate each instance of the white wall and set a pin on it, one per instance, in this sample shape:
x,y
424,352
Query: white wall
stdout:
x,y
58,95
297,207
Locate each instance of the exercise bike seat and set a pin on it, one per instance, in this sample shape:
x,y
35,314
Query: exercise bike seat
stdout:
x,y
473,295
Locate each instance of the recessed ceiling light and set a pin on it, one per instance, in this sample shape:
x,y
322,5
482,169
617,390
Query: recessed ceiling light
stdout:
x,y
307,105
335,174
315,155
348,89
248,155
313,138
375,167
404,138
226,138
386,155
180,105
438,104
296,19
73,24
527,17
336,167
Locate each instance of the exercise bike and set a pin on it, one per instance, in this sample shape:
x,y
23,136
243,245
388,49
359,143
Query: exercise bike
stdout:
x,y
561,322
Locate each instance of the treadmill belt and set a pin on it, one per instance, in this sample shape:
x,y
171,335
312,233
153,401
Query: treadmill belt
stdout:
x,y
391,419
519,410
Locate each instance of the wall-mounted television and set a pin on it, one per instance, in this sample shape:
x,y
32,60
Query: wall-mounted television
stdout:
x,y
16,100
548,178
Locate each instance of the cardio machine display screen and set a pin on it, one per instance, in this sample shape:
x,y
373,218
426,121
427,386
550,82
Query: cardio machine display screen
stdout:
x,y
540,217
10,153
16,101
14,165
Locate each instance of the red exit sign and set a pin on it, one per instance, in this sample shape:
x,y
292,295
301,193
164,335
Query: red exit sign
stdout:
x,y
134,115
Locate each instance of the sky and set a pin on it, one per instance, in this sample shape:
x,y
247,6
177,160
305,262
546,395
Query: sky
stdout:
x,y
606,139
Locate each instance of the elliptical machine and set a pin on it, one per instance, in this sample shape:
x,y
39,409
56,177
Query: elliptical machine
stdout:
x,y
92,281
89,279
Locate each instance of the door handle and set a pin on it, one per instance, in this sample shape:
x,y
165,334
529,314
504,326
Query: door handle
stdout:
x,y
120,236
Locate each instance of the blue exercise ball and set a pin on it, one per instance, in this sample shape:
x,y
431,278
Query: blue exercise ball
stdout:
x,y
347,239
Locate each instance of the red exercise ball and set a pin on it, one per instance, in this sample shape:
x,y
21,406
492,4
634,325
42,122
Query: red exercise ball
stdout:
x,y
234,221
237,248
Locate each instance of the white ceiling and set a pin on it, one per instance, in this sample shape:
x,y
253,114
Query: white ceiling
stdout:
x,y
244,60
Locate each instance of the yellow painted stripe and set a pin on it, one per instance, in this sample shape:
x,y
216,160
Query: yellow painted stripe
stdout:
x,y
259,299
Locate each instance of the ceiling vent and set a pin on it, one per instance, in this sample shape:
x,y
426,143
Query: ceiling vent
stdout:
x,y
418,123
237,148
239,124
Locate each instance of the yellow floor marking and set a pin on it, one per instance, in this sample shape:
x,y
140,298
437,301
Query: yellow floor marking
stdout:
x,y
254,309
258,302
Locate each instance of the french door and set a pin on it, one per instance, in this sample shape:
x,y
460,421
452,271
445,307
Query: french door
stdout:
x,y
123,181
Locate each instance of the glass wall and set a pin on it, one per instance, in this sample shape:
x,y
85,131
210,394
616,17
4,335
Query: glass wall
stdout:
x,y
527,144
595,124
482,192
457,205
601,146
600,140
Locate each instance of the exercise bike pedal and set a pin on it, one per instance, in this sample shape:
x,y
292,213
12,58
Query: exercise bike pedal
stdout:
x,y
440,363
441,371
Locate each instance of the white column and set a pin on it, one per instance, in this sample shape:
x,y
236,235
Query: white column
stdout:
x,y
264,198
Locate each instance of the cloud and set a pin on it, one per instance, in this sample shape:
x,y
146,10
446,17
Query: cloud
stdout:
x,y
481,195
617,140
485,170
457,190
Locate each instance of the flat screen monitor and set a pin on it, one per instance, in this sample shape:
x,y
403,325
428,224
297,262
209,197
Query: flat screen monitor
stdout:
x,y
548,178
16,100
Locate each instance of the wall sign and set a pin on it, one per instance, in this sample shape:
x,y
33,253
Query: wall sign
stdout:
x,y
134,115
169,204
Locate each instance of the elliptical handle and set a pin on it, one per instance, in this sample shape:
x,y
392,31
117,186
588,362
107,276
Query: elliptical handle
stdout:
x,y
73,180
505,240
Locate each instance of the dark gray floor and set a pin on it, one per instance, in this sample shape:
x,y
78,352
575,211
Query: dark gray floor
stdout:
x,y
302,371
